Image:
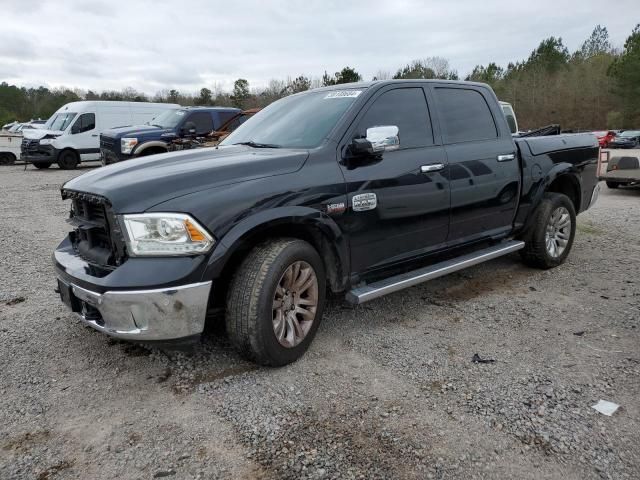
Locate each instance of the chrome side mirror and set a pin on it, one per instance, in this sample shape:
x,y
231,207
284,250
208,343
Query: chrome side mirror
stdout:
x,y
383,138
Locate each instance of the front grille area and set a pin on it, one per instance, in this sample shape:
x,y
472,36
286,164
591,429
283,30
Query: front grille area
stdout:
x,y
29,146
97,237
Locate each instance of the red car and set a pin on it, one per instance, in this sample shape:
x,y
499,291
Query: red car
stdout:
x,y
604,137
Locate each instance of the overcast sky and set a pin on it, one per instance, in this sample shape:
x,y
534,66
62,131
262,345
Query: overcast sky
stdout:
x,y
154,45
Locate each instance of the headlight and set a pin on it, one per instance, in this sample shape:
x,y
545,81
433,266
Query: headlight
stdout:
x,y
127,144
165,234
47,139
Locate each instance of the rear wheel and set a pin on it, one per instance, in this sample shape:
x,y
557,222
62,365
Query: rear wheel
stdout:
x,y
7,158
68,160
42,166
550,238
275,301
613,184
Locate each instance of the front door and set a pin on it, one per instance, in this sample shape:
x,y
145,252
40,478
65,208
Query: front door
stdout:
x,y
399,202
484,173
85,138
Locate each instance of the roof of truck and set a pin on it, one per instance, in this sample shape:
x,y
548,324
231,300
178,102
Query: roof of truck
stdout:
x,y
200,107
391,82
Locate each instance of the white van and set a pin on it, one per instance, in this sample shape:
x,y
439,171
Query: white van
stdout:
x,y
72,134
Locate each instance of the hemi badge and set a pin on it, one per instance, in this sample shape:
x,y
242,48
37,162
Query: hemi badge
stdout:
x,y
364,202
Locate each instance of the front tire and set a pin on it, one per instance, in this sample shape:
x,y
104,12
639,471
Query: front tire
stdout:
x,y
275,301
551,235
68,160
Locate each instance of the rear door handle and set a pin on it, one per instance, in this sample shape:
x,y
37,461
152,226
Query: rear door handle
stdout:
x,y
434,167
94,134
507,157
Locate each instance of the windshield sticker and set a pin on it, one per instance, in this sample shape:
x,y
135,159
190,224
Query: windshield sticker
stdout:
x,y
180,113
343,94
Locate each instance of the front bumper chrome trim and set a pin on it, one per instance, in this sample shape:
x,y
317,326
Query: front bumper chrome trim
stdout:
x,y
146,315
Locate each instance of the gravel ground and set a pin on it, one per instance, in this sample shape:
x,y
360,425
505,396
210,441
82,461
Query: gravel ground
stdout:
x,y
387,390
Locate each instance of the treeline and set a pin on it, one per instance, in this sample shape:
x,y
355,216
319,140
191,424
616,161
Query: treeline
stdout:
x,y
595,87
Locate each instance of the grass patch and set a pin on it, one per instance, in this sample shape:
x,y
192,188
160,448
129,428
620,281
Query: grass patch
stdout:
x,y
588,228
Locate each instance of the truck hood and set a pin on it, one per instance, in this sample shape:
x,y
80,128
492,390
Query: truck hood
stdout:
x,y
135,131
137,185
38,133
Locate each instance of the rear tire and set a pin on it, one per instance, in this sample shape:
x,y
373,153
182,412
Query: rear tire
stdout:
x,y
68,160
613,184
42,166
275,301
550,237
7,158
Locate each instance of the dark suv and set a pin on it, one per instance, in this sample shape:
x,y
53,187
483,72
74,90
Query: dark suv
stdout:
x,y
123,143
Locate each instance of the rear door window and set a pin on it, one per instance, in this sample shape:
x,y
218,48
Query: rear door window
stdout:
x,y
202,121
464,115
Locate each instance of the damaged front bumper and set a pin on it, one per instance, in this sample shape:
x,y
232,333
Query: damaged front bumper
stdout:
x,y
162,300
173,313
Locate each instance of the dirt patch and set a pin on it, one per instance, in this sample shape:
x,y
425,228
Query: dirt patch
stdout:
x,y
27,441
54,469
500,281
15,301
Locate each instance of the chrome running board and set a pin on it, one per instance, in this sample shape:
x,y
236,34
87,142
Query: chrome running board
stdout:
x,y
398,282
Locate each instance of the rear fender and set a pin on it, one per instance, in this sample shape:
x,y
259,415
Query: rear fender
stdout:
x,y
537,193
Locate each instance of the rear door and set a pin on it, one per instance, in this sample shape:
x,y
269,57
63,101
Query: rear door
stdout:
x,y
484,172
396,208
203,122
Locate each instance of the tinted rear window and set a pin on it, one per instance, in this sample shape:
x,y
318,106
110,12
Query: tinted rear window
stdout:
x,y
464,115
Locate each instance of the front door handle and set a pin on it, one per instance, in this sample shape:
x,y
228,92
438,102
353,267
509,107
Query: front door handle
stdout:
x,y
507,157
434,167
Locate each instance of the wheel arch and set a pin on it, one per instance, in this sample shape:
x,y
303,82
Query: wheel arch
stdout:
x,y
568,184
147,148
68,149
561,179
300,222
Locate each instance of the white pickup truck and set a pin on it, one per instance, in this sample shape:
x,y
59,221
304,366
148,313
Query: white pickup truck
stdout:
x,y
9,147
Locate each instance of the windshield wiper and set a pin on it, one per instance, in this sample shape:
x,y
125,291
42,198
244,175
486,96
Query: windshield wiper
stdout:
x,y
253,144
156,125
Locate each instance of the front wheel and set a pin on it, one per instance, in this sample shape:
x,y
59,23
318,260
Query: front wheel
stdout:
x,y
275,301
68,160
551,235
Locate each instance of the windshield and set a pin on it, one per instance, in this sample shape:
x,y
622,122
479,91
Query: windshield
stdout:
x,y
630,133
60,121
298,121
168,119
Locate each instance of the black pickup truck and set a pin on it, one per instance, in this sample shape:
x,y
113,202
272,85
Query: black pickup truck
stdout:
x,y
363,189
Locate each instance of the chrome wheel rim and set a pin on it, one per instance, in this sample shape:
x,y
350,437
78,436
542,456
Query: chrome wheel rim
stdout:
x,y
558,232
295,303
